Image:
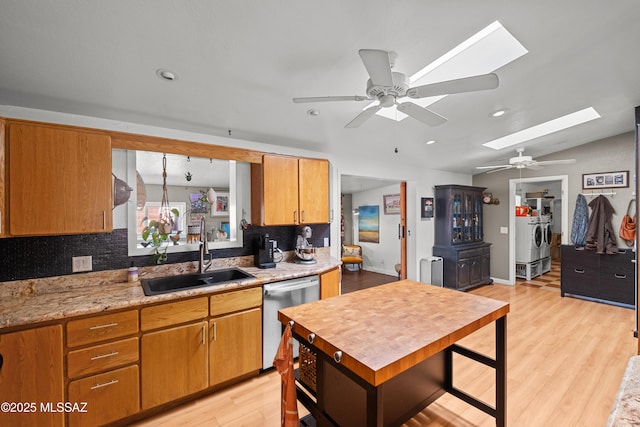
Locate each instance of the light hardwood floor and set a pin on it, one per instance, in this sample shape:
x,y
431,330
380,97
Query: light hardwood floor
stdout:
x,y
565,360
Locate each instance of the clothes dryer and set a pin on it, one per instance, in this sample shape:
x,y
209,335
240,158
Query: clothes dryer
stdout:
x,y
528,239
547,234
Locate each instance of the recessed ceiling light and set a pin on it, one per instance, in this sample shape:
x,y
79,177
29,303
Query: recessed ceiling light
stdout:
x,y
498,113
431,141
313,112
545,128
166,74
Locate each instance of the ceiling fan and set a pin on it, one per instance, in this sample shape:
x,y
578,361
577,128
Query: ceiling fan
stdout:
x,y
387,86
521,161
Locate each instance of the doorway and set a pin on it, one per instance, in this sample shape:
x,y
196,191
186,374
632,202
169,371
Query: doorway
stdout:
x,y
382,256
518,189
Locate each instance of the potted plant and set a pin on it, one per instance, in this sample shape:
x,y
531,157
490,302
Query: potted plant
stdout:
x,y
156,235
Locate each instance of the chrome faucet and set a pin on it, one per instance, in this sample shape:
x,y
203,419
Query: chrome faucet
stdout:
x,y
204,248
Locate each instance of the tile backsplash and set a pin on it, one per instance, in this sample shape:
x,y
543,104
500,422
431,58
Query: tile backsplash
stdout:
x,y
46,256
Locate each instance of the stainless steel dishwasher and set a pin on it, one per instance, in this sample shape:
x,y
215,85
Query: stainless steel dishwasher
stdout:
x,y
275,296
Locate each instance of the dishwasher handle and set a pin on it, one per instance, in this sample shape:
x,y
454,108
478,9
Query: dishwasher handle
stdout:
x,y
282,289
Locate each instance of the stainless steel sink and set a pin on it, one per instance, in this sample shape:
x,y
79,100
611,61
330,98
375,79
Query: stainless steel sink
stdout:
x,y
167,284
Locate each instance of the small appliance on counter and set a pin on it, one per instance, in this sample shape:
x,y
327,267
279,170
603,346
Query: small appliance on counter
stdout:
x,y
263,257
305,252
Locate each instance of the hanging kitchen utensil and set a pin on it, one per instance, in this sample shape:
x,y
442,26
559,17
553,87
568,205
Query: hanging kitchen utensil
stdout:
x,y
121,191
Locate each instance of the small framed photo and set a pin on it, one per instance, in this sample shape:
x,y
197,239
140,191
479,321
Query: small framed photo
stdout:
x,y
426,207
221,205
594,181
391,204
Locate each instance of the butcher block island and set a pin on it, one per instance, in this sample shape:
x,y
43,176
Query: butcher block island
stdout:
x,y
383,354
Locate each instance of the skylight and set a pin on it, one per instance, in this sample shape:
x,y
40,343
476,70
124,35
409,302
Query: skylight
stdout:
x,y
482,53
545,128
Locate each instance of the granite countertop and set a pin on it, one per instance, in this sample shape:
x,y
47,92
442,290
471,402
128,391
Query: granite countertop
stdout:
x,y
26,302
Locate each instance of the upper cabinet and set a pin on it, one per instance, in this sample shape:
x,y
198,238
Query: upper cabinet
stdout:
x,y
59,181
289,191
458,215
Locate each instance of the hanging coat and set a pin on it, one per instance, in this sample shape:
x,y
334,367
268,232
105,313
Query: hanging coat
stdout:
x,y
580,222
600,234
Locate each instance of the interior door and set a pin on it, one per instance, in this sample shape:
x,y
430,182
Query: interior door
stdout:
x,y
403,228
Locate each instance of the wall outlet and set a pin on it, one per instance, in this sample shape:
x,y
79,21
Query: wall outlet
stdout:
x,y
81,263
504,230
326,242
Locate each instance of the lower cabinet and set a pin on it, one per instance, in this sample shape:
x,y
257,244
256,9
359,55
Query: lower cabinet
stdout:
x,y
31,375
174,363
465,266
235,346
330,283
604,277
109,397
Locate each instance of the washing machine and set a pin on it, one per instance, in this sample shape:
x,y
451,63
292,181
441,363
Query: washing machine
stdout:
x,y
528,239
547,234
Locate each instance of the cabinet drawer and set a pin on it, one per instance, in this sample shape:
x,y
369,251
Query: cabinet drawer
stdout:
x,y
617,285
235,301
580,280
110,396
102,357
101,328
173,313
579,258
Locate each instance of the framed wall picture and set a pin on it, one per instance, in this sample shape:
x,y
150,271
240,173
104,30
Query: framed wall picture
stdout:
x,y
594,181
221,205
426,207
391,204
368,224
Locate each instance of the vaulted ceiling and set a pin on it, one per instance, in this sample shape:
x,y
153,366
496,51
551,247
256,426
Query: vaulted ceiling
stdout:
x,y
239,64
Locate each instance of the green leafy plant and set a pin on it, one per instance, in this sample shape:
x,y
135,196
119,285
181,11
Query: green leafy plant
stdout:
x,y
153,233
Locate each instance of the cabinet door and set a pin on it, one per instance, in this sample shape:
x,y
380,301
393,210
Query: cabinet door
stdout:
x,y
174,363
110,396
280,190
31,372
330,283
313,187
485,267
475,270
235,346
463,273
59,181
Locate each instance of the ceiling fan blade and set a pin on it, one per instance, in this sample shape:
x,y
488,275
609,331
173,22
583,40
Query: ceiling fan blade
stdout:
x,y
501,169
467,84
363,116
331,98
378,66
494,166
556,162
422,114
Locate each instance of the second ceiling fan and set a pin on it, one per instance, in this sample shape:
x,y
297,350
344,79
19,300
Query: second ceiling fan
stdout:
x,y
387,86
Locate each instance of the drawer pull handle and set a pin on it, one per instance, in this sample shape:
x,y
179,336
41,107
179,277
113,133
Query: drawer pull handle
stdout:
x,y
1,361
104,384
579,270
108,325
102,356
215,331
620,276
311,338
337,356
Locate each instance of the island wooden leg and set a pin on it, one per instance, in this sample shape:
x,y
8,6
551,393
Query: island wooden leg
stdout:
x,y
501,372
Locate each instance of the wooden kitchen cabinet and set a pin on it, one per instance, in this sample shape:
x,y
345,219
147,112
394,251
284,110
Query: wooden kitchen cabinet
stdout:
x,y
102,367
235,335
289,191
110,396
330,283
59,181
174,363
459,236
31,373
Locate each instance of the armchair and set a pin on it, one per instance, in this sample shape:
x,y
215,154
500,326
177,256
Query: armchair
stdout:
x,y
352,254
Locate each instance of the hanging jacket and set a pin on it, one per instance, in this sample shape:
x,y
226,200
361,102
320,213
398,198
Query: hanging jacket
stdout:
x,y
580,222
600,234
